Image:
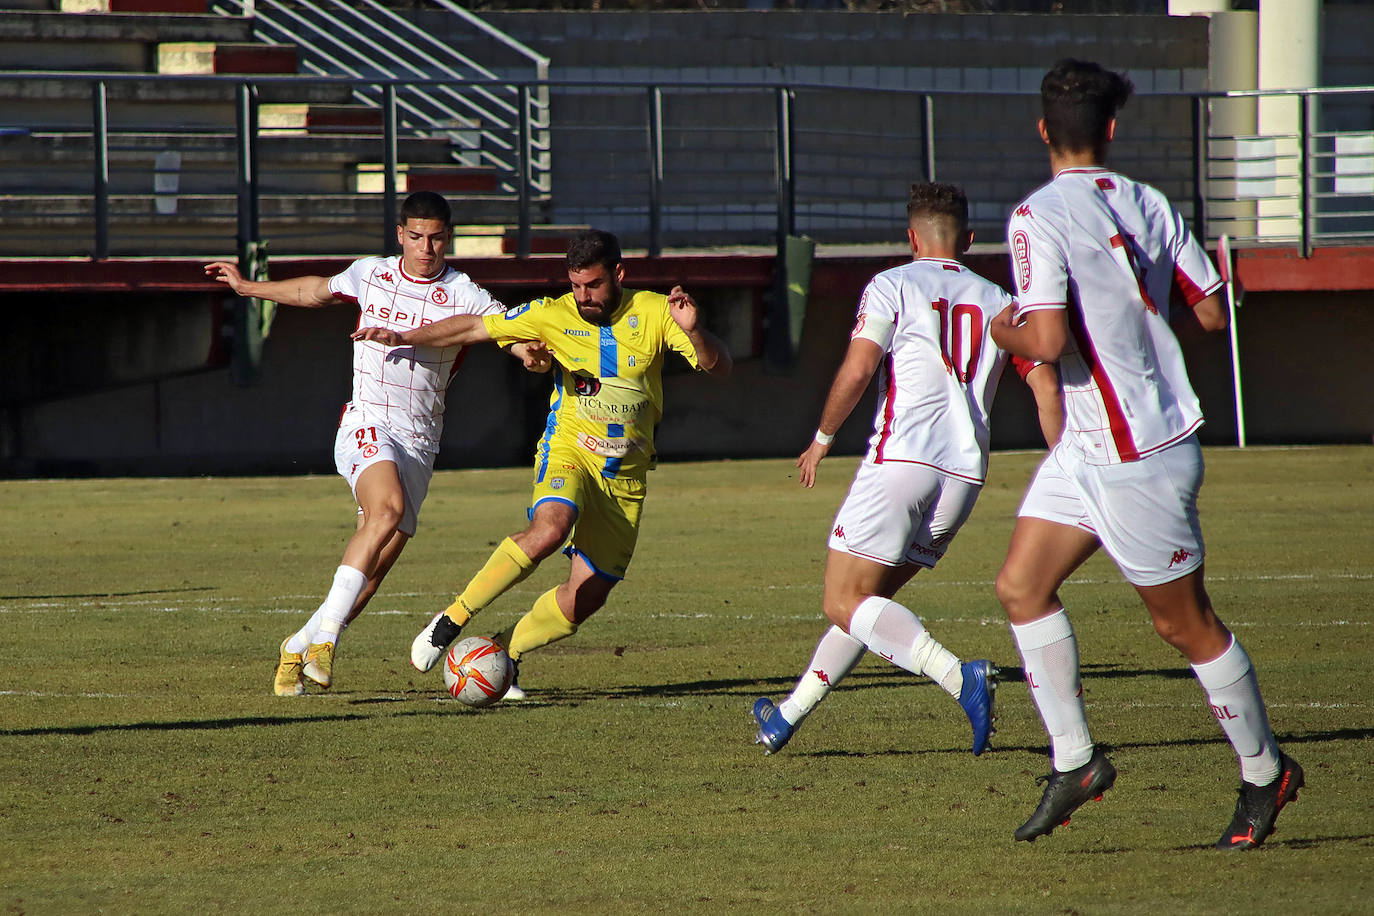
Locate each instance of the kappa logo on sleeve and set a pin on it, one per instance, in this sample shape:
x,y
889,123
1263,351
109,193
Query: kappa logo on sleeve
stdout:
x,y
1020,247
517,311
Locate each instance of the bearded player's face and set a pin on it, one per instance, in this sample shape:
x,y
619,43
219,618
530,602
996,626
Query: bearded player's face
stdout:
x,y
596,290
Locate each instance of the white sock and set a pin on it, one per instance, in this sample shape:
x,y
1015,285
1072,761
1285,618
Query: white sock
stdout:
x,y
301,639
331,617
1049,653
836,655
893,632
1234,695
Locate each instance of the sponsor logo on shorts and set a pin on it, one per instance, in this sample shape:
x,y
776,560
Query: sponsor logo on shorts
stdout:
x,y
439,295
1020,247
557,483
838,532
607,448
924,551
1180,556
517,311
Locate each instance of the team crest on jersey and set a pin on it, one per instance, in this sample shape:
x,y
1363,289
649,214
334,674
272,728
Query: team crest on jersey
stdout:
x,y
1020,248
556,483
517,311
439,295
633,321
1106,184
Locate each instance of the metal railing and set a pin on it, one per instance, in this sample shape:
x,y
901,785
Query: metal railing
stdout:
x,y
662,164
435,89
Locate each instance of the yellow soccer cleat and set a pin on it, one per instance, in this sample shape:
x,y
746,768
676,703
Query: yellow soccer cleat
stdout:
x,y
319,664
288,681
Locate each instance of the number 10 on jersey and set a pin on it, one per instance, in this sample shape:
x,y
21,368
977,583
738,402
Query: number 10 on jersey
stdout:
x,y
961,337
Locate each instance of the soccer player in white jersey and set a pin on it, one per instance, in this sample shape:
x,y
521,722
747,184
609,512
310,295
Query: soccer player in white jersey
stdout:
x,y
1096,256
923,327
389,432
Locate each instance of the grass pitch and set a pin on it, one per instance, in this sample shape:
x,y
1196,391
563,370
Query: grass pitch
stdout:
x,y
146,768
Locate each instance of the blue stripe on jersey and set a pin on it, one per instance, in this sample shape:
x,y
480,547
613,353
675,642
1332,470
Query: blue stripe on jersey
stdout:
x,y
610,356
610,368
550,425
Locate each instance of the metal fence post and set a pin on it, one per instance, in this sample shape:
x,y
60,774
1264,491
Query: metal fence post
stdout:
x,y
928,134
655,171
523,173
1200,128
786,183
389,157
1305,170
248,167
100,139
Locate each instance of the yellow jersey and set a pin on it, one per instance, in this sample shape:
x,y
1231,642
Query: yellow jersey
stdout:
x,y
608,388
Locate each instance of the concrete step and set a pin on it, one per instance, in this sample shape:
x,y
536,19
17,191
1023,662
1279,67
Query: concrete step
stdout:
x,y
205,164
197,57
445,179
143,28
191,104
206,225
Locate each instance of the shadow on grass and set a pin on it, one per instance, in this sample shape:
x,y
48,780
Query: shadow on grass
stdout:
x,y
146,591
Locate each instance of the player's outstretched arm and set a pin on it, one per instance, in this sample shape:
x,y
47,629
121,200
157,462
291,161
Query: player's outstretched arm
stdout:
x,y
304,292
712,353
535,355
860,362
454,331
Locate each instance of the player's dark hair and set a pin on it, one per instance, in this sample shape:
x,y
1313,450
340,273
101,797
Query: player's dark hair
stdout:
x,y
930,199
425,205
1079,100
593,246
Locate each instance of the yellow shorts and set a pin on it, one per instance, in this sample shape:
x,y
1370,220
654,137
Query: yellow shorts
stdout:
x,y
608,509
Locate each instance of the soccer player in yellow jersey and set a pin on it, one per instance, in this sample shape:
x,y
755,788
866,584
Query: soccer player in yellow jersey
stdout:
x,y
598,445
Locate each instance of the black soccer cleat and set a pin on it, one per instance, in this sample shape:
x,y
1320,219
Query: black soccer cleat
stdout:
x,y
1259,806
433,641
1066,793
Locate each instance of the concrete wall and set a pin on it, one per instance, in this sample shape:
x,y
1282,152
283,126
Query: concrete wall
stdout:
x,y
1303,356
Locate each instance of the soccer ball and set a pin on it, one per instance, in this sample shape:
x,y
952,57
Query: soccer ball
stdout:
x,y
477,671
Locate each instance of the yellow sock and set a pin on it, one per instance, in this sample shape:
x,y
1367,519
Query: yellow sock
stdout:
x,y
506,566
543,624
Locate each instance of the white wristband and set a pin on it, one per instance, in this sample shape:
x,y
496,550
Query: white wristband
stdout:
x,y
824,438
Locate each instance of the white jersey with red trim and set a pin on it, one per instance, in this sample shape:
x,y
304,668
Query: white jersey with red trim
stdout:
x,y
941,369
1111,250
403,388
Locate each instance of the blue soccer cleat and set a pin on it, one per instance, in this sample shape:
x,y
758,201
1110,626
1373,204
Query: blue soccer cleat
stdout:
x,y
980,683
774,730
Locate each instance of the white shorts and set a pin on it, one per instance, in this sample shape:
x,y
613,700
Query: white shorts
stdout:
x,y
1144,512
361,444
898,513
